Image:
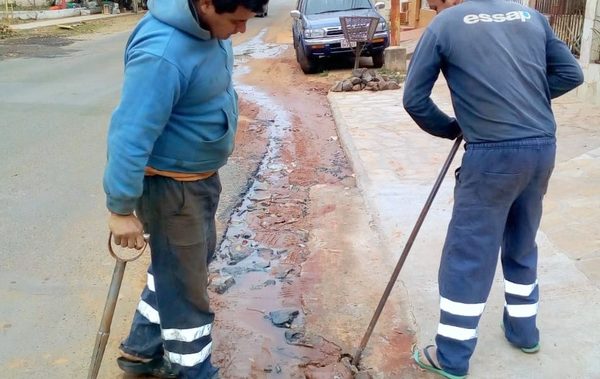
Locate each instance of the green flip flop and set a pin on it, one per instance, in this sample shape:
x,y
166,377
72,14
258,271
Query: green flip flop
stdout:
x,y
431,366
531,350
526,350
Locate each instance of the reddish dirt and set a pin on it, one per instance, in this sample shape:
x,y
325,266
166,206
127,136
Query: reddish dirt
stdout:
x,y
247,345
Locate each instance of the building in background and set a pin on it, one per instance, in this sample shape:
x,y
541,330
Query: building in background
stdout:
x,y
589,56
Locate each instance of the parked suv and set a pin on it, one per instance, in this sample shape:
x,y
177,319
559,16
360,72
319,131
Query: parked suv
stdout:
x,y
318,34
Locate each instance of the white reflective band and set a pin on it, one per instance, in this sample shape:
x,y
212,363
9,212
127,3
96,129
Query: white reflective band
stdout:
x,y
519,289
151,283
461,309
147,311
456,333
522,310
190,360
186,335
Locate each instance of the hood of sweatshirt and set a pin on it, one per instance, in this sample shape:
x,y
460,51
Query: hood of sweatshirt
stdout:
x,y
180,15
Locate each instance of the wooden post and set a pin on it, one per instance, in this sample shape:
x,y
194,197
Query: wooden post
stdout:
x,y
395,23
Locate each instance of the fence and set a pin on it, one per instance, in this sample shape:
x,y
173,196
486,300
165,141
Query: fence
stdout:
x,y
566,18
559,6
569,28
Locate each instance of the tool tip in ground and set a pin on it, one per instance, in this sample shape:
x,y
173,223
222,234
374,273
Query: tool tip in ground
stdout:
x,y
343,369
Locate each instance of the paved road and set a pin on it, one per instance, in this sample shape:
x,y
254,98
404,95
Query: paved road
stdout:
x,y
53,126
54,270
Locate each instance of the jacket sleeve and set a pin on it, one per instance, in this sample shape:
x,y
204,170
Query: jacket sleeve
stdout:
x,y
151,88
562,69
424,70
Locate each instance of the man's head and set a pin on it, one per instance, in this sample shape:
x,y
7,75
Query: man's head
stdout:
x,y
224,18
440,5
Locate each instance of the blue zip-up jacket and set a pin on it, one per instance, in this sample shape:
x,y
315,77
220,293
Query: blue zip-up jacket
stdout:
x,y
178,109
503,64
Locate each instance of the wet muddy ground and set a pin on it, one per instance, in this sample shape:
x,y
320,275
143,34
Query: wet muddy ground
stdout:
x,y
266,241
263,279
35,47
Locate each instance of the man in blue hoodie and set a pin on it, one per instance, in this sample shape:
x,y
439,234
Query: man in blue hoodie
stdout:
x,y
173,129
503,64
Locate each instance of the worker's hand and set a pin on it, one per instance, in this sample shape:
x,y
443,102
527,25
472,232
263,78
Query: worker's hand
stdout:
x,y
127,231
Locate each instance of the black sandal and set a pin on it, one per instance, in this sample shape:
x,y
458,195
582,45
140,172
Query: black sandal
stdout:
x,y
158,368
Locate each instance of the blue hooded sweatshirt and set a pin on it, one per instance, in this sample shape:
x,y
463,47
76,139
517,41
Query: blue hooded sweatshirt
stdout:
x,y
503,64
178,109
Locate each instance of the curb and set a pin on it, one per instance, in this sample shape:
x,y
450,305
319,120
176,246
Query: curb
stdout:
x,y
65,21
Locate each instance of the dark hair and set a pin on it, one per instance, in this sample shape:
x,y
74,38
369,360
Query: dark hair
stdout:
x,y
229,6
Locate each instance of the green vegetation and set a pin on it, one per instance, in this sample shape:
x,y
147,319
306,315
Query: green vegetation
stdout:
x,y
397,76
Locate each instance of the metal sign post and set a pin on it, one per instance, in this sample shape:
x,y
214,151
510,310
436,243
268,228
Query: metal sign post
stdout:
x,y
358,31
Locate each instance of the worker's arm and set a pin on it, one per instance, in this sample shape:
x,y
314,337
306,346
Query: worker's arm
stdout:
x,y
151,88
562,69
424,70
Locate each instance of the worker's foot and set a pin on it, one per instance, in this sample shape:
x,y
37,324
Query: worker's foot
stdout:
x,y
215,375
430,355
133,358
426,358
527,350
158,368
531,350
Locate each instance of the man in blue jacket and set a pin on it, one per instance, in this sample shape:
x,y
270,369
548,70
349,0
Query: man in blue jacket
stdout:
x,y
173,129
503,64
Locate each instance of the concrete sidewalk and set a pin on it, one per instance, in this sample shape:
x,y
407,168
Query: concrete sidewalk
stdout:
x,y
64,21
396,164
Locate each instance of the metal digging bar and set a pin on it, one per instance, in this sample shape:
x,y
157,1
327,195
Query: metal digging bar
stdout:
x,y
409,243
109,307
358,31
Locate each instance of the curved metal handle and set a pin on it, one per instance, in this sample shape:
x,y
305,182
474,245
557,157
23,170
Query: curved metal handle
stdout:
x,y
135,257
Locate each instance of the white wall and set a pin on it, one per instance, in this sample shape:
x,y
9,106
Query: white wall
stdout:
x,y
590,52
386,11
29,3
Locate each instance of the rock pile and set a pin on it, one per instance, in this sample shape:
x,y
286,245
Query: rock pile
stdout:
x,y
365,79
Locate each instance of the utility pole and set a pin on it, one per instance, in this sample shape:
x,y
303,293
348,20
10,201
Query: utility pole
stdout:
x,y
395,23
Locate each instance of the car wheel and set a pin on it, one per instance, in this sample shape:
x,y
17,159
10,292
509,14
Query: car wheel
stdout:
x,y
378,60
308,65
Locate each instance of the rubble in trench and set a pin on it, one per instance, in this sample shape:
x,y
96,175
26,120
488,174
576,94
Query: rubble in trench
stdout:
x,y
271,203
